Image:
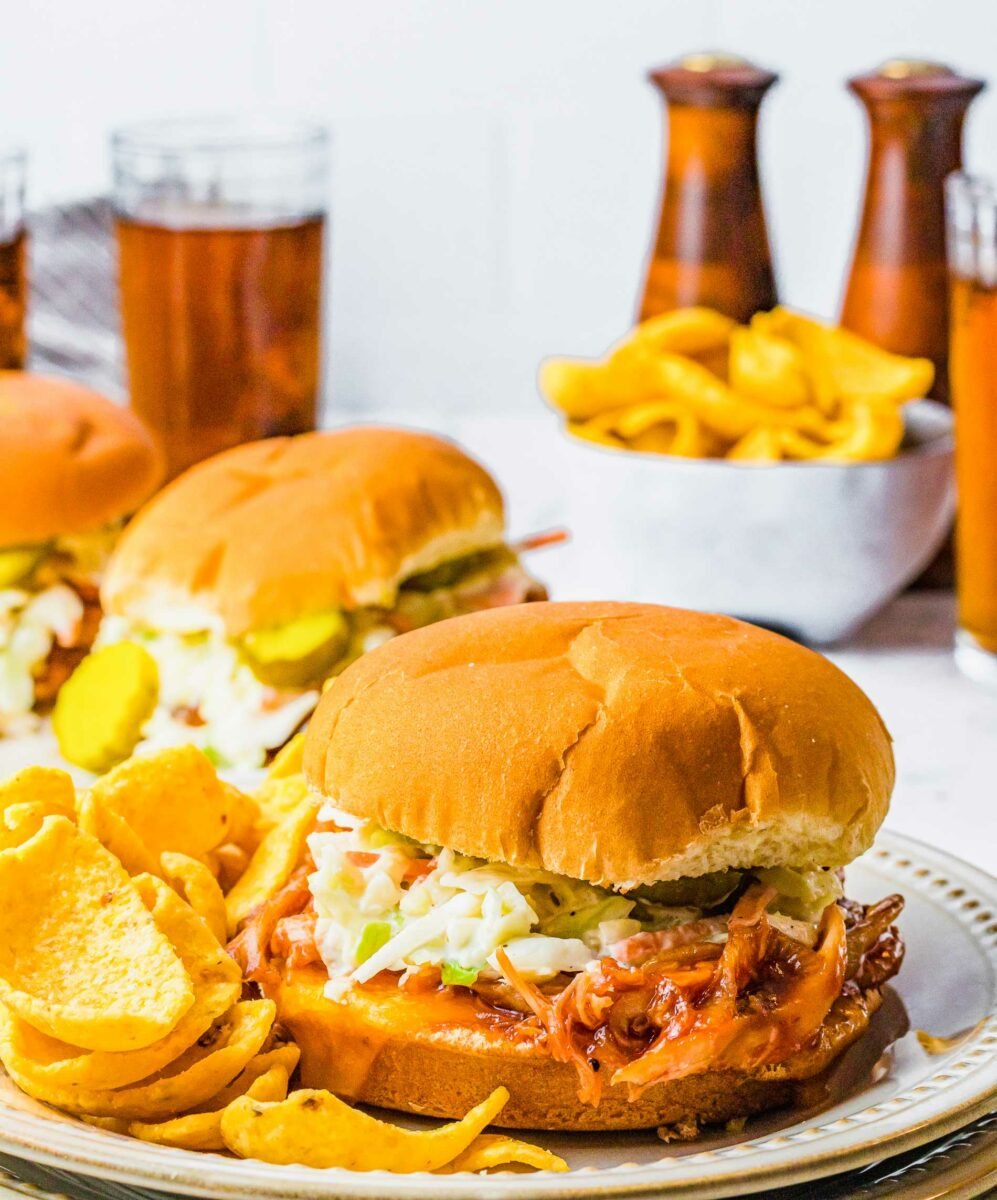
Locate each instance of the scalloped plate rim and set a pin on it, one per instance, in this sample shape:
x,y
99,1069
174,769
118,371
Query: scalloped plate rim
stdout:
x,y
949,1101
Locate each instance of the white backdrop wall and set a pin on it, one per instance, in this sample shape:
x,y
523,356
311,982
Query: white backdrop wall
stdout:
x,y
496,161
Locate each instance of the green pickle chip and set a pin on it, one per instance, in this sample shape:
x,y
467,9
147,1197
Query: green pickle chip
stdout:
x,y
299,652
17,563
448,573
700,891
102,707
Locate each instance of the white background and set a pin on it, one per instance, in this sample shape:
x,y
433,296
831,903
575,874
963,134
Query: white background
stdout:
x,y
496,173
496,161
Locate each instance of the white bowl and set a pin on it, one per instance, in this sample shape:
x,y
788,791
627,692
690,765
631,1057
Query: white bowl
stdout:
x,y
813,549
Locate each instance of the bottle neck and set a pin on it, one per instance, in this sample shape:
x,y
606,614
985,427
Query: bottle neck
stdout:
x,y
711,245
718,143
897,288
924,133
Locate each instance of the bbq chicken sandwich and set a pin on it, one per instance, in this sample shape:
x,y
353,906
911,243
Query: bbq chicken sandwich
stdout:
x,y
73,465
592,852
260,573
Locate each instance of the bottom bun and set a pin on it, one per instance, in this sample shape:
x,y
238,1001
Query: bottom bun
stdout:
x,y
431,1054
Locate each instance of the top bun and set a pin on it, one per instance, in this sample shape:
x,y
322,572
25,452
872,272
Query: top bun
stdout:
x,y
71,460
270,531
617,743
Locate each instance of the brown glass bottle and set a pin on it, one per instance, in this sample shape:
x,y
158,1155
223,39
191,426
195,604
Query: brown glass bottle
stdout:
x,y
897,292
712,244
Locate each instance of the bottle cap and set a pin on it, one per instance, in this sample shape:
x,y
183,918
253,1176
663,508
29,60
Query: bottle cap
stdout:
x,y
714,79
899,78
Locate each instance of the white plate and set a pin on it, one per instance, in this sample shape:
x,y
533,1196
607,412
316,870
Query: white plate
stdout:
x,y
948,985
958,1166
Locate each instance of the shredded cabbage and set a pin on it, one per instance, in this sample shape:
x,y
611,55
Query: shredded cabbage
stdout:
x,y
42,611
448,910
803,895
238,717
203,673
30,624
386,903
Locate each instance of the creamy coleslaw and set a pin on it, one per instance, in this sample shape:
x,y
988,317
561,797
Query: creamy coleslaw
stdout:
x,y
31,623
209,696
43,610
386,903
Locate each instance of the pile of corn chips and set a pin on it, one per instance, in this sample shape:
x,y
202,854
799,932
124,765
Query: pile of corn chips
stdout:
x,y
695,384
118,1001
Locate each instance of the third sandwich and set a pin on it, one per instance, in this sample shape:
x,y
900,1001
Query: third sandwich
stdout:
x,y
73,466
592,852
260,573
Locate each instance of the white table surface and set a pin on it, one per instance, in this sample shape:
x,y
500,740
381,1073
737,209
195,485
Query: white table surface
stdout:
x,y
944,726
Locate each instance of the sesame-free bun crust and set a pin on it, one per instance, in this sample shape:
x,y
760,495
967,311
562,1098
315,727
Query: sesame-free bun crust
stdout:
x,y
271,531
71,460
617,743
381,1046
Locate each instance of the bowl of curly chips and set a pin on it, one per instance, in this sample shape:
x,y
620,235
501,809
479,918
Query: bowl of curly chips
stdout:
x,y
786,471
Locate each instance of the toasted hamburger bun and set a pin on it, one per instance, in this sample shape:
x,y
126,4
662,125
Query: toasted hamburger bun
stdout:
x,y
617,743
71,460
388,1047
267,532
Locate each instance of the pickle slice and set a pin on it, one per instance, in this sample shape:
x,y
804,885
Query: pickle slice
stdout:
x,y
101,708
700,891
300,652
17,563
449,573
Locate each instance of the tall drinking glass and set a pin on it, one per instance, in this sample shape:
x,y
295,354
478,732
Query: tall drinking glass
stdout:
x,y
13,260
221,227
972,251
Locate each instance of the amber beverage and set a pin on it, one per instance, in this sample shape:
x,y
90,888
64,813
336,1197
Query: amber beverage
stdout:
x,y
13,300
711,246
223,331
974,391
972,250
221,230
13,261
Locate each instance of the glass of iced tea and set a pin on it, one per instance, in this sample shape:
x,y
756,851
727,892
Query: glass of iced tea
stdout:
x,y
13,260
221,232
972,250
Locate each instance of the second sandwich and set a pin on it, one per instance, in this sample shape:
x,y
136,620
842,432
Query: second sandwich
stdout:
x,y
260,573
